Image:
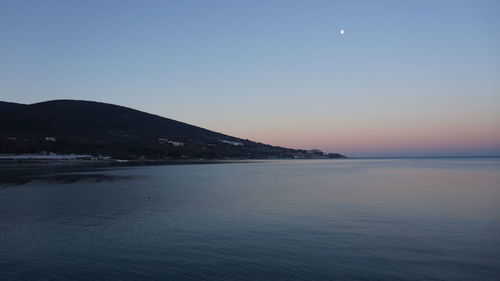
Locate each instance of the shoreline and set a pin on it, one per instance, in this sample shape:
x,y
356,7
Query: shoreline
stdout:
x,y
76,158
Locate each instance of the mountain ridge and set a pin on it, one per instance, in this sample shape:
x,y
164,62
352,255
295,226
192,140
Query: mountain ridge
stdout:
x,y
97,128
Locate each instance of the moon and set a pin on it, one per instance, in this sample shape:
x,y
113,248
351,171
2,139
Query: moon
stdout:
x,y
342,31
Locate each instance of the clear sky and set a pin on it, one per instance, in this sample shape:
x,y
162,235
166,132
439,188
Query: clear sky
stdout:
x,y
411,78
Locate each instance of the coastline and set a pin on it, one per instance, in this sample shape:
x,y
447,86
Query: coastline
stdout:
x,y
85,158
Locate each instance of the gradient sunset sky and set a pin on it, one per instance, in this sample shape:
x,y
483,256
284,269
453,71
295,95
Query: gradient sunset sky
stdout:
x,y
408,78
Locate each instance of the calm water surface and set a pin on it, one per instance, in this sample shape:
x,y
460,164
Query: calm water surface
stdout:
x,y
404,219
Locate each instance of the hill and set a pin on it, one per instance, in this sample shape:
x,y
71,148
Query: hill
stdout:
x,y
73,126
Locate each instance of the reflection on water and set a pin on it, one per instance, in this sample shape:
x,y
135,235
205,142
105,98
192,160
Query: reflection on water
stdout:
x,y
66,178
419,219
12,174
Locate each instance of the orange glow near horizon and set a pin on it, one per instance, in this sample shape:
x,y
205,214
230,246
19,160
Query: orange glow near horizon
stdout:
x,y
458,138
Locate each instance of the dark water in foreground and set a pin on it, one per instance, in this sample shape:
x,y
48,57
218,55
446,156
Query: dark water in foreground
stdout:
x,y
419,219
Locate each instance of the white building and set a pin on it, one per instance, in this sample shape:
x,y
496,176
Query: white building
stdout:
x,y
235,143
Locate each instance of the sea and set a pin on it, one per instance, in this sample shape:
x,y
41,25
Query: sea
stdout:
x,y
344,219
